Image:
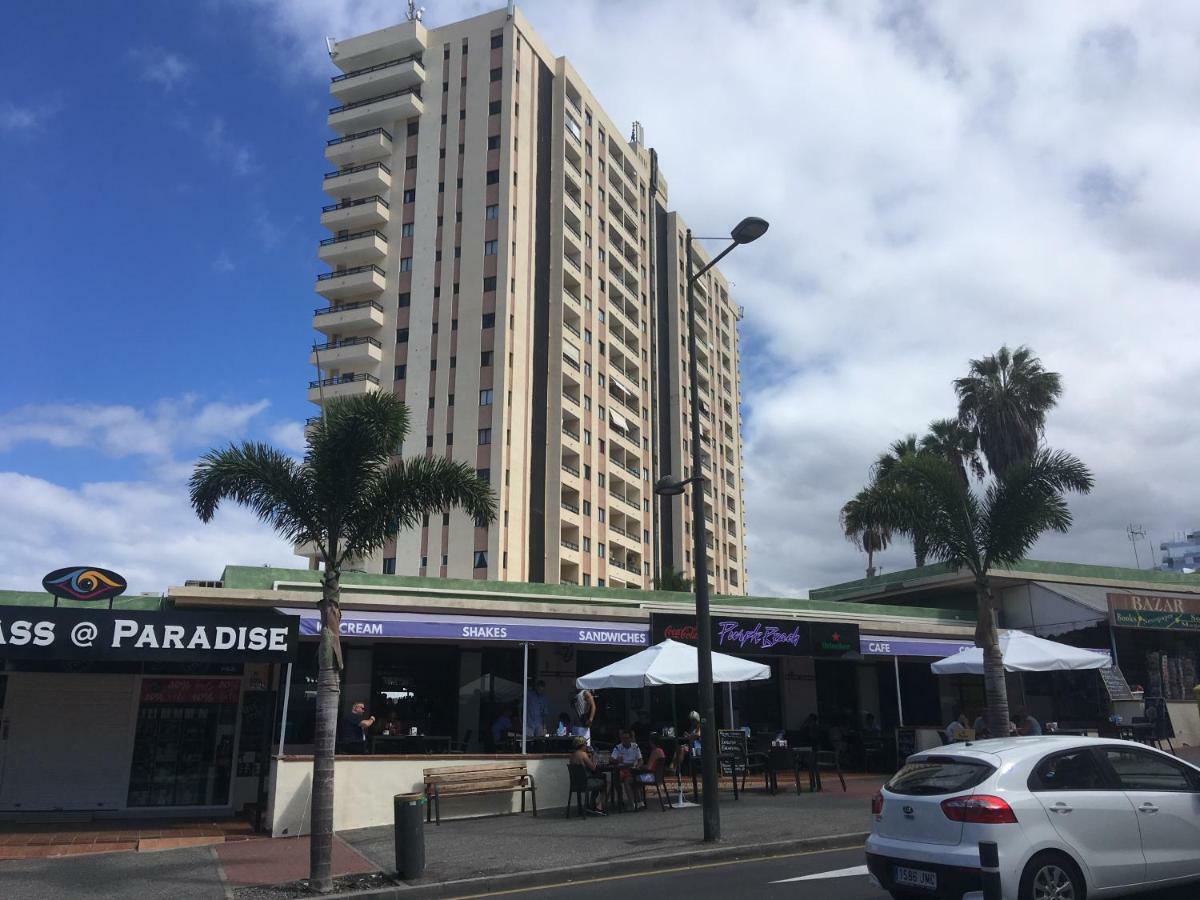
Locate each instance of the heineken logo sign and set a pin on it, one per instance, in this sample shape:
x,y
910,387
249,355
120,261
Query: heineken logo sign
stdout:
x,y
1158,612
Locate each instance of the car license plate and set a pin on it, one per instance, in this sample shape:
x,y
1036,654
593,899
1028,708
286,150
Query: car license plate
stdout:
x,y
917,878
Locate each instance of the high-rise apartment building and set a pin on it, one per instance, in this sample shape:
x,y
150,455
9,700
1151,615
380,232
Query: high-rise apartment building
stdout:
x,y
506,261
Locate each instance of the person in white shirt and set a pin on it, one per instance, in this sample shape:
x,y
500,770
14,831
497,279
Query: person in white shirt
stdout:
x,y
627,755
584,706
955,731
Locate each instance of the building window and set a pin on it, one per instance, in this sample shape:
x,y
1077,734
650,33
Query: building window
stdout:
x,y
389,565
492,212
480,559
493,176
485,397
410,195
494,108
484,475
600,513
488,321
489,283
405,300
401,335
600,549
407,229
587,507
489,248
406,264
587,545
485,436
485,358
495,74
414,129
497,41
493,142
587,437
401,372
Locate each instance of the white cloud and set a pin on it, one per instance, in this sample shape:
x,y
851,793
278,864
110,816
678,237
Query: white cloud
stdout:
x,y
940,178
161,67
126,431
223,263
225,150
143,527
25,119
289,436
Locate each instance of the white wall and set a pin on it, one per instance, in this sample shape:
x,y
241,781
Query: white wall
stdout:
x,y
364,787
1185,716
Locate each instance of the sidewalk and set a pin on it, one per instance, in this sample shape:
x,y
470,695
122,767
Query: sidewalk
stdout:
x,y
495,847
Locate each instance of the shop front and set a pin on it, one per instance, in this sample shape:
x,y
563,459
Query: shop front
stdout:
x,y
136,712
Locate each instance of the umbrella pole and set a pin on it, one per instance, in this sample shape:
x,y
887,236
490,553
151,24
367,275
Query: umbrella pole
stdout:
x,y
525,697
729,684
899,701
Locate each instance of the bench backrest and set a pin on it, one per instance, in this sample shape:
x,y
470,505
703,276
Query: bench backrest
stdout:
x,y
481,777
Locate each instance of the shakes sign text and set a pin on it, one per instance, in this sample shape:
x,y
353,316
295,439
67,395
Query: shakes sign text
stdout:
x,y
30,632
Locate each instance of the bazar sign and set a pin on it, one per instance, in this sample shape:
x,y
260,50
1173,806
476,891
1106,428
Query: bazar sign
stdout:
x,y
771,636
1155,611
38,633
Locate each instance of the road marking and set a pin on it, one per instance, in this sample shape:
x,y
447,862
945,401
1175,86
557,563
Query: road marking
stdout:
x,y
836,873
712,865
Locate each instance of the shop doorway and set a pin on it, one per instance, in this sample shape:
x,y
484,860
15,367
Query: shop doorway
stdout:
x,y
66,740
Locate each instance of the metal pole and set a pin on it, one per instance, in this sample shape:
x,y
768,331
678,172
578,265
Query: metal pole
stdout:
x,y
729,685
708,716
287,693
899,701
525,697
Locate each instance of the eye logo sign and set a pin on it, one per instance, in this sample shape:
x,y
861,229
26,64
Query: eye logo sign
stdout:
x,y
84,583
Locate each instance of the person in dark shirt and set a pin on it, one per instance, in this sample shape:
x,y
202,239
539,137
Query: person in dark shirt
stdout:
x,y
352,729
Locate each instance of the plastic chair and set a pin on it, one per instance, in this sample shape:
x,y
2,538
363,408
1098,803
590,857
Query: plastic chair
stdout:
x,y
580,785
660,787
830,759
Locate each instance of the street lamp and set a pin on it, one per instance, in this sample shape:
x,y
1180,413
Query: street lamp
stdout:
x,y
749,229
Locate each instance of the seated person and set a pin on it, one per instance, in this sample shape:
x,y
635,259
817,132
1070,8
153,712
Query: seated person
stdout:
x,y
981,729
563,729
645,773
871,728
689,745
627,755
502,726
1027,724
956,730
595,783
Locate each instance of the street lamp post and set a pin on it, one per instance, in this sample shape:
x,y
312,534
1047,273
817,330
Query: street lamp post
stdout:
x,y
749,229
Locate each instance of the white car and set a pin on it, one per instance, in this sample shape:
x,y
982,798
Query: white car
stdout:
x,y
1071,818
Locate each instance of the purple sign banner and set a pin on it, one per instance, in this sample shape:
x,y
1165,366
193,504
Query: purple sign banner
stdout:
x,y
358,623
881,645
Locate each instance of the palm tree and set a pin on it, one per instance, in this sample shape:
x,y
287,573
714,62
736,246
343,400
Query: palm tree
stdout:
x,y
863,529
1004,401
979,531
956,444
347,497
904,448
670,580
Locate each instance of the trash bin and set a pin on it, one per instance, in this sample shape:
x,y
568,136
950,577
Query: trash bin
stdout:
x,y
409,815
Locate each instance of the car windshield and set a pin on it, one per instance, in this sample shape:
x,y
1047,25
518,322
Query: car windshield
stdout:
x,y
939,775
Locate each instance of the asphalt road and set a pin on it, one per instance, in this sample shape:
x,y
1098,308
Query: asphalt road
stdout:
x,y
824,874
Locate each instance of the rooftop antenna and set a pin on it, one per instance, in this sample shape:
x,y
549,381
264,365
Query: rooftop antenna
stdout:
x,y
1135,533
415,13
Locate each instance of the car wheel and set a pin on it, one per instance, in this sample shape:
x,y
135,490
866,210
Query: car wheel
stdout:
x,y
1052,876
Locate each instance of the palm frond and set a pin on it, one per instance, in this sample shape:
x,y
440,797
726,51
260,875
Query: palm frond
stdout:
x,y
267,481
400,495
862,525
931,494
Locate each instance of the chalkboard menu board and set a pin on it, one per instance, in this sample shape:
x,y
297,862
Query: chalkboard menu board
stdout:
x,y
1115,684
1158,714
906,743
732,746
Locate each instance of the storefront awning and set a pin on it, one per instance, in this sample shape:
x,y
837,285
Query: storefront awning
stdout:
x,y
619,420
885,645
370,624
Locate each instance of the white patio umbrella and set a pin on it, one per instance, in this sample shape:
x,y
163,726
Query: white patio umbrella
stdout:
x,y
670,663
1024,652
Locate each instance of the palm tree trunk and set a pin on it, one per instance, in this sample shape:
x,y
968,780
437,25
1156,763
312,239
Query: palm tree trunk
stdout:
x,y
920,548
329,688
870,563
995,689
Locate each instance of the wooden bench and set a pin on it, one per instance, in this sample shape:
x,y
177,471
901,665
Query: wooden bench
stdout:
x,y
486,778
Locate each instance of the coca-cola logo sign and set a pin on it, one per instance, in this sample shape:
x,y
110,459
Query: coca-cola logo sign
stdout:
x,y
762,636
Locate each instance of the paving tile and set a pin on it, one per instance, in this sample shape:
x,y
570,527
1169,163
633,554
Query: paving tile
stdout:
x,y
174,843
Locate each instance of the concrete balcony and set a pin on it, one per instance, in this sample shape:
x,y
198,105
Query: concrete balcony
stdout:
x,y
352,54
360,147
342,386
353,249
349,318
381,78
356,215
351,282
347,353
369,179
377,112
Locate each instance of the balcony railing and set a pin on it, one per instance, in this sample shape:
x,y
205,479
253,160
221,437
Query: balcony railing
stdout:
x,y
354,237
571,328
570,468
571,506
363,168
567,396
325,276
416,57
358,134
343,379
348,203
347,342
346,307
626,502
574,262
359,103
570,545
570,362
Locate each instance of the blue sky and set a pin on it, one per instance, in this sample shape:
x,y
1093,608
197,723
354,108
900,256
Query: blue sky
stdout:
x,y
940,179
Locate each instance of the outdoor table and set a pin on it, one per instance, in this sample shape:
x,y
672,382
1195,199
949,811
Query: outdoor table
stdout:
x,y
550,744
410,743
807,757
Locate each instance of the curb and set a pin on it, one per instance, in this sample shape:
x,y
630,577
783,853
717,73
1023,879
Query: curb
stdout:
x,y
485,884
